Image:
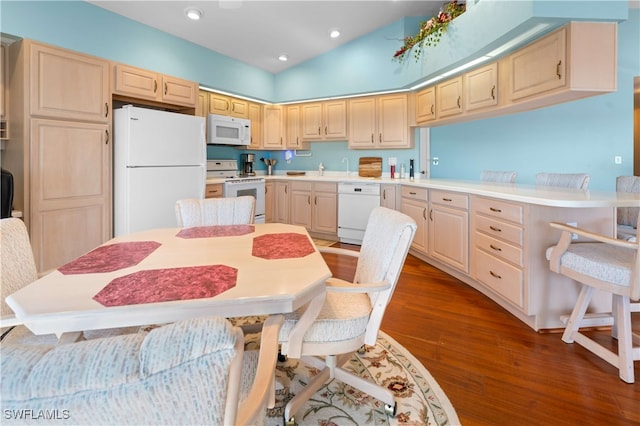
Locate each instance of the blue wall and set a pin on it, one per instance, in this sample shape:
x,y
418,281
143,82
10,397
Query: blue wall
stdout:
x,y
578,136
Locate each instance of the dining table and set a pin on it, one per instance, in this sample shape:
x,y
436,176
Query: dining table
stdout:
x,y
165,275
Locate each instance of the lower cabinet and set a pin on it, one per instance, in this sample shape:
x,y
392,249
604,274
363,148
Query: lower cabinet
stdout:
x,y
314,205
282,202
388,196
415,205
269,202
449,228
213,190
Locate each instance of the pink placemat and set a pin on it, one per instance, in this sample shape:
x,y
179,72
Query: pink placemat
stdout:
x,y
216,231
163,285
110,258
282,246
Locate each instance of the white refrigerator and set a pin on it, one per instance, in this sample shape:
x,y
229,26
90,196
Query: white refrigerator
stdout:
x,y
159,157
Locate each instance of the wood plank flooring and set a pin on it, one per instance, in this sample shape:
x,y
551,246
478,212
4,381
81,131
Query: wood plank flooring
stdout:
x,y
494,369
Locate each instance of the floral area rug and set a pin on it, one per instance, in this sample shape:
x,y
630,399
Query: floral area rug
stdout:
x,y
420,399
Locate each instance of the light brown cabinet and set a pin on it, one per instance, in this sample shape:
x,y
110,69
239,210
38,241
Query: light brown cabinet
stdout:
x,y
324,120
213,190
379,122
425,105
294,128
139,83
60,153
415,204
273,127
481,88
282,201
314,205
388,196
449,98
449,228
227,105
255,115
269,202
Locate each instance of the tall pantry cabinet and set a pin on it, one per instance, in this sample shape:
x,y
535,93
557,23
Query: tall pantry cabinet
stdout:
x,y
60,149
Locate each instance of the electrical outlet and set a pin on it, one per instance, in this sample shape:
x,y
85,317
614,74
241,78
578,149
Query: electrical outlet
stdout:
x,y
617,159
435,161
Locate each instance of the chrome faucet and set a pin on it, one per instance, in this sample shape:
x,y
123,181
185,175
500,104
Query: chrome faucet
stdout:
x,y
345,159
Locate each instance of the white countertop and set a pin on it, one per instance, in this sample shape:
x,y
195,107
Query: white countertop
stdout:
x,y
546,196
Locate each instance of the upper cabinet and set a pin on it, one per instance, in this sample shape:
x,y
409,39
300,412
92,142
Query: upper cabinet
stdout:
x,y
324,120
378,122
273,130
480,88
68,85
144,84
255,115
293,126
573,62
227,105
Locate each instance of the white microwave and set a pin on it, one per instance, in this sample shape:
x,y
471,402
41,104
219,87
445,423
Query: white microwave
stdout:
x,y
223,130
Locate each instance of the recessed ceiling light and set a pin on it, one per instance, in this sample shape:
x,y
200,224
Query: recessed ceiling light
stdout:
x,y
334,33
193,13
283,58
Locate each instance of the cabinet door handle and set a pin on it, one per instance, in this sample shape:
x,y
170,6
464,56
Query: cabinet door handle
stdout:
x,y
315,200
285,189
558,69
106,109
325,130
319,130
424,213
493,92
280,140
380,137
493,228
432,109
166,88
458,102
494,275
106,134
384,194
412,193
495,248
155,86
493,209
309,199
447,199
431,215
371,137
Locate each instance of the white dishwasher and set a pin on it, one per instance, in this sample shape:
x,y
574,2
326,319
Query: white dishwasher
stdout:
x,y
355,202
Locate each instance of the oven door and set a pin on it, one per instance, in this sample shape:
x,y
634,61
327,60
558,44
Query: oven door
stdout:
x,y
252,187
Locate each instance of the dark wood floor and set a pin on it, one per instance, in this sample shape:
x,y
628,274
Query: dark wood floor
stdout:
x,y
494,369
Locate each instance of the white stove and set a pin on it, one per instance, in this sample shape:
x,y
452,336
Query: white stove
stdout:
x,y
236,185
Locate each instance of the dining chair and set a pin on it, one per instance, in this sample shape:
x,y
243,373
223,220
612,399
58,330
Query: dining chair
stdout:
x,y
495,176
192,212
563,180
17,269
626,225
609,265
194,371
352,311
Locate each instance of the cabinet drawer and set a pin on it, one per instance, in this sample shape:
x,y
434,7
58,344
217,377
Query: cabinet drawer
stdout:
x,y
502,230
504,279
415,193
450,199
325,187
499,209
213,190
499,249
301,186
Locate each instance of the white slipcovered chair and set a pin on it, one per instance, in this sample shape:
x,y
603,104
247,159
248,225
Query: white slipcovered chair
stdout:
x,y
352,312
18,269
496,176
190,372
609,265
563,180
626,216
192,212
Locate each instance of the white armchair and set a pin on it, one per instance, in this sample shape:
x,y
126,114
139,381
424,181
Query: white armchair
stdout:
x,y
563,180
192,212
627,225
606,264
352,312
498,176
189,372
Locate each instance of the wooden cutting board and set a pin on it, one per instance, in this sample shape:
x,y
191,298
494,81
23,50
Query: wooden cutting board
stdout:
x,y
370,167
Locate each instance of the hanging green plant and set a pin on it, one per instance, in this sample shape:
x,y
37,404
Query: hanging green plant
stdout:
x,y
430,31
